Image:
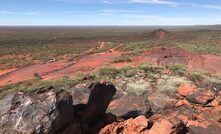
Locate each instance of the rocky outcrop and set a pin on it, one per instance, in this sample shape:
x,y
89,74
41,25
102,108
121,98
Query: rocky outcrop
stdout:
x,y
142,125
185,89
48,110
51,111
130,106
44,111
196,95
90,117
134,126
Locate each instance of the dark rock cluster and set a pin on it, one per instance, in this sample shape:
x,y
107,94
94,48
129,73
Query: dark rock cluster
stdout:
x,y
84,111
51,111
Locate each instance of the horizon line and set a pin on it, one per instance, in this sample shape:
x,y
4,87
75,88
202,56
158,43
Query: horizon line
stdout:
x,y
105,25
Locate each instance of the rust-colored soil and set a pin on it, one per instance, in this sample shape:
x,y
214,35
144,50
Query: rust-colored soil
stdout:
x,y
27,73
86,64
2,72
166,56
59,68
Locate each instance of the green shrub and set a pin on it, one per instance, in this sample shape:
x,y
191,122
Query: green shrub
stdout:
x,y
37,76
122,59
126,68
179,69
198,75
108,71
139,87
131,72
62,83
147,67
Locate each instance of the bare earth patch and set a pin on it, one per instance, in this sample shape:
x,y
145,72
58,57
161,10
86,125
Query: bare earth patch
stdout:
x,y
59,68
166,56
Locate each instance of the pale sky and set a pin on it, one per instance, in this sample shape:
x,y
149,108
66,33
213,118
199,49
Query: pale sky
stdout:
x,y
110,12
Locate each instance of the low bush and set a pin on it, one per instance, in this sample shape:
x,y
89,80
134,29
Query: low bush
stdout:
x,y
122,59
179,69
198,75
131,72
147,67
65,83
108,71
37,76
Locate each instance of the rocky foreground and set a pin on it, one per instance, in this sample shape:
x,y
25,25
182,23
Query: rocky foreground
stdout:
x,y
100,108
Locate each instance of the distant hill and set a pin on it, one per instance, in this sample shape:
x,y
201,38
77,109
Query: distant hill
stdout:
x,y
161,34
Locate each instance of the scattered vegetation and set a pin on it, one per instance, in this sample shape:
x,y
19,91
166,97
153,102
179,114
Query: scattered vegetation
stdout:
x,y
44,44
198,75
137,74
179,69
128,71
108,71
148,67
62,83
37,76
124,58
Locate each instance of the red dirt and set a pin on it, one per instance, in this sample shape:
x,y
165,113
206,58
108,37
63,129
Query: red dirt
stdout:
x,y
210,63
59,68
87,64
166,56
27,73
2,72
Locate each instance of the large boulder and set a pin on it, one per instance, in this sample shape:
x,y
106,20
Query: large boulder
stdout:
x,y
161,126
213,128
43,111
196,95
200,97
130,106
184,89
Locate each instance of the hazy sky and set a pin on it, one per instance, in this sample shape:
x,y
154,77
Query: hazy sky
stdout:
x,y
110,12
